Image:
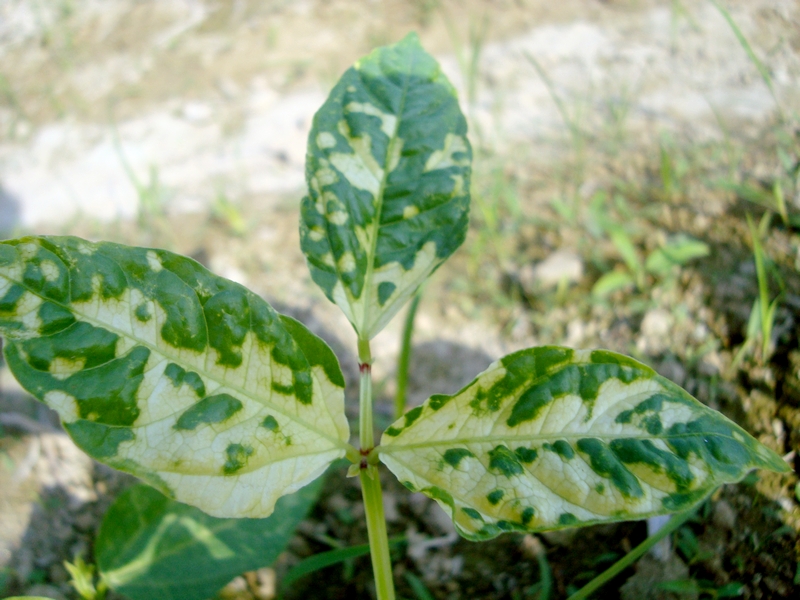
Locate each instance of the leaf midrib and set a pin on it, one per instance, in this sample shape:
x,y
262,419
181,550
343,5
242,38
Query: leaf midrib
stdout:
x,y
69,307
376,225
389,448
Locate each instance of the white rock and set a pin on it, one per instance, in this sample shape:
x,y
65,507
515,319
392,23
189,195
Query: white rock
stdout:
x,y
197,112
655,330
560,265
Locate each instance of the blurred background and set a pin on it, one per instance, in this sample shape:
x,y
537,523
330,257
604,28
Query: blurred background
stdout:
x,y
636,187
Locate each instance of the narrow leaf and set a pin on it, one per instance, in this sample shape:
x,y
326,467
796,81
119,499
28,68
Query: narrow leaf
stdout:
x,y
326,559
677,251
551,437
162,369
388,172
611,282
152,547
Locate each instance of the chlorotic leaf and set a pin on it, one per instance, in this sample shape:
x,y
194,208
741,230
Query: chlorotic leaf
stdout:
x,y
551,437
159,368
388,172
152,547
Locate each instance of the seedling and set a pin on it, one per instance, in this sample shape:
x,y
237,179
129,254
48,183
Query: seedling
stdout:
x,y
677,251
198,387
762,315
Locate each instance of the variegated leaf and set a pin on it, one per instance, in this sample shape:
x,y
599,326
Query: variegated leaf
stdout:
x,y
551,437
162,369
388,172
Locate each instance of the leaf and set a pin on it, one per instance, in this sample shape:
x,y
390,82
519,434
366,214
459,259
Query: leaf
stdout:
x,y
624,245
677,251
420,591
159,368
388,172
152,547
551,437
611,282
326,559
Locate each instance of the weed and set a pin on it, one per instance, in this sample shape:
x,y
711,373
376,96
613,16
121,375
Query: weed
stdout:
x,y
82,580
762,315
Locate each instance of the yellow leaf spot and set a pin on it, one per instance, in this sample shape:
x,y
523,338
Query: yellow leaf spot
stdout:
x,y
338,217
326,176
316,234
443,159
49,270
347,263
326,140
154,262
62,367
388,122
410,211
65,405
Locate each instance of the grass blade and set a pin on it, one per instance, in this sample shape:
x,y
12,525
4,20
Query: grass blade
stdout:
x,y
327,559
405,357
762,70
419,588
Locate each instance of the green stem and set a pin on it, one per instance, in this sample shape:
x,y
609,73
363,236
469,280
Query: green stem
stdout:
x,y
676,521
405,357
378,538
371,483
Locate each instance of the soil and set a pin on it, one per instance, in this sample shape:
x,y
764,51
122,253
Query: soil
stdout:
x,y
182,125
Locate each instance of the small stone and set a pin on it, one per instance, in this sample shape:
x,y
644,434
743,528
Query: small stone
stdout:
x,y
197,112
235,590
390,511
663,548
656,323
673,370
418,502
561,537
85,521
561,265
724,516
649,573
438,520
532,547
655,331
576,333
263,583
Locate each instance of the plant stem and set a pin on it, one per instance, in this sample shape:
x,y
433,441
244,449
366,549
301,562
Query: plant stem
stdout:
x,y
405,357
676,521
371,483
376,527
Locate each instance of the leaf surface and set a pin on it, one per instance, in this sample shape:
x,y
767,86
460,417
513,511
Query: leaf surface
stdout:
x,y
152,547
388,172
551,437
162,369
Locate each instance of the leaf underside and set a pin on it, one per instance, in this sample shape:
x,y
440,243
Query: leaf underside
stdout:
x,y
162,369
152,547
551,437
388,172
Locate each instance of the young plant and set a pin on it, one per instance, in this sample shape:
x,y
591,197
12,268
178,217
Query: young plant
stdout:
x,y
677,251
198,387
